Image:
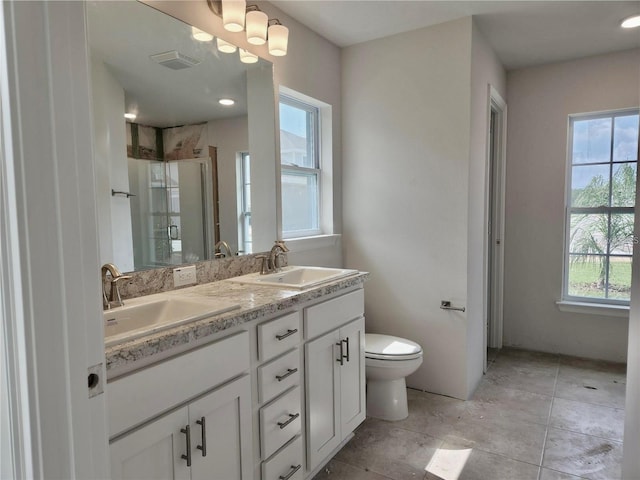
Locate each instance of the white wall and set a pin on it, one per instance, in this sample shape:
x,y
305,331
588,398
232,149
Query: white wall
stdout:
x,y
540,100
110,142
406,116
486,70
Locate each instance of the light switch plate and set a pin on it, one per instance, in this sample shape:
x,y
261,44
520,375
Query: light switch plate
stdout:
x,y
184,276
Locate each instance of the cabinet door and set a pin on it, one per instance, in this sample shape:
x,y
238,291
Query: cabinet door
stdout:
x,y
322,382
352,378
154,451
226,430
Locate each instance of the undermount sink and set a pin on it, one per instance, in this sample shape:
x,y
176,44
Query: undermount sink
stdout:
x,y
298,278
144,316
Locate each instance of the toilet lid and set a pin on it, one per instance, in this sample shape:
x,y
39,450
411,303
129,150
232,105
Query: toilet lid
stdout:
x,y
390,348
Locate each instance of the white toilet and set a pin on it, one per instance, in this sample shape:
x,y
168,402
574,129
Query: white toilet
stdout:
x,y
388,360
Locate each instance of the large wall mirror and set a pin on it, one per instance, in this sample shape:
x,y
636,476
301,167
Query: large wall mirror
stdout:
x,y
188,172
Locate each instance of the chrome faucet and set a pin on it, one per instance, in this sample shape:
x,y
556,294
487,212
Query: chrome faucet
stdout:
x,y
217,250
278,250
114,299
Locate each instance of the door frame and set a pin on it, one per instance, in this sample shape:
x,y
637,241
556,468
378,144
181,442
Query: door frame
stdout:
x,y
494,253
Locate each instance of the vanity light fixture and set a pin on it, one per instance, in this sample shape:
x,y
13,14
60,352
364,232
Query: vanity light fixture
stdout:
x,y
233,14
200,35
256,25
225,47
631,22
259,27
278,38
227,102
130,116
247,57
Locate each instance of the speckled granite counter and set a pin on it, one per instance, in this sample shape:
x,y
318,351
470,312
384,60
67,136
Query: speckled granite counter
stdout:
x,y
255,302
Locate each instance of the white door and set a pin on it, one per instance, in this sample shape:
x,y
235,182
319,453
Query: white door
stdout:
x,y
352,377
154,451
322,383
221,433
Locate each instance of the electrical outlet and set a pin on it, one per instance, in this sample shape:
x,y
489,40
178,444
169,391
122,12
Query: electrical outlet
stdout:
x,y
184,276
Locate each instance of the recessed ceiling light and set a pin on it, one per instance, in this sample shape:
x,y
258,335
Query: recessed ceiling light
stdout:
x,y
631,22
227,102
130,116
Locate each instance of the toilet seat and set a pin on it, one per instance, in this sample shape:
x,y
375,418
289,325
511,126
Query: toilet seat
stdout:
x,y
387,347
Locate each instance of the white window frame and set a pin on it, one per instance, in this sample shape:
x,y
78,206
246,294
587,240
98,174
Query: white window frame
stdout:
x,y
577,303
322,152
245,240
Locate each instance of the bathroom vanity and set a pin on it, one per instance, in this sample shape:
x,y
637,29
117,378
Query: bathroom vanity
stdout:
x,y
267,391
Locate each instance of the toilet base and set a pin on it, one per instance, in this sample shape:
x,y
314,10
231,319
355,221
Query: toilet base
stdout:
x,y
387,399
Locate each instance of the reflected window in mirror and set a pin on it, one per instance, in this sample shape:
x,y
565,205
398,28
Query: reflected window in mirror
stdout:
x,y
244,202
301,167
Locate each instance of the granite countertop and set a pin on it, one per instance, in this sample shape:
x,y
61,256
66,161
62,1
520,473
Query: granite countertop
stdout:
x,y
255,302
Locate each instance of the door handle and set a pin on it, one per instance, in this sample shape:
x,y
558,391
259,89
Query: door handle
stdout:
x,y
290,332
187,431
294,469
290,371
292,417
346,340
203,447
341,357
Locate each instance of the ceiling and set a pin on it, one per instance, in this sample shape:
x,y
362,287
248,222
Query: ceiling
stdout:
x,y
522,33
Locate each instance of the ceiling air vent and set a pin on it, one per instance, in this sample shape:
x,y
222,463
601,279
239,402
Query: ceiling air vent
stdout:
x,y
175,60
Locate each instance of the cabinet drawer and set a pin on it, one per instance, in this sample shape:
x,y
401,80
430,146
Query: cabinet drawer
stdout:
x,y
287,463
143,395
333,313
278,336
278,375
280,421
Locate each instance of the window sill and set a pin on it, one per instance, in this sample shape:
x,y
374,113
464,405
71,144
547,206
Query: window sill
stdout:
x,y
621,311
301,244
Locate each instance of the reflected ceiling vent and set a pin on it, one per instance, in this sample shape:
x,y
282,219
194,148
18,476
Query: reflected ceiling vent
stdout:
x,y
175,60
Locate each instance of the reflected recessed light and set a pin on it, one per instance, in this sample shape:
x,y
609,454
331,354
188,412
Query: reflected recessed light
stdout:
x,y
227,102
130,116
201,36
631,22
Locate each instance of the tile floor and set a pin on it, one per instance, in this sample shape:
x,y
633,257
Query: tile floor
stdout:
x,y
534,416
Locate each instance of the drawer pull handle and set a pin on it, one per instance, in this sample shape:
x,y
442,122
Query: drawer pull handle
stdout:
x,y
295,468
346,340
340,358
203,447
292,417
187,431
290,371
290,332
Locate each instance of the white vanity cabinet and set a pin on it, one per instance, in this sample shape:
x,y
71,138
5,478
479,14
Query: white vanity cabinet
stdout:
x,y
209,438
334,374
185,418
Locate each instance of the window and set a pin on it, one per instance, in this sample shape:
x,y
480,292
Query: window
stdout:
x,y
603,159
300,167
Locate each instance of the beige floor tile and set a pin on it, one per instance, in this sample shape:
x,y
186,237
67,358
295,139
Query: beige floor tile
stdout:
x,y
493,401
591,386
531,377
383,448
587,418
336,470
457,461
595,365
583,455
514,439
546,474
528,357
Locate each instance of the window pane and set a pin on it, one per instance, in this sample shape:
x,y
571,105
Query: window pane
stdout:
x,y
297,136
621,234
620,278
299,201
590,186
623,188
588,234
587,275
625,139
592,140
